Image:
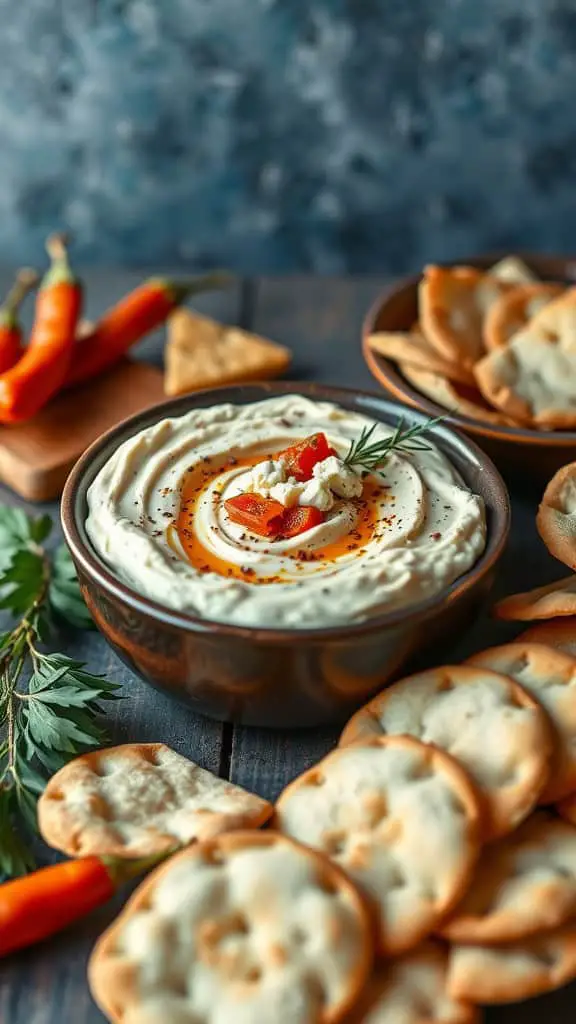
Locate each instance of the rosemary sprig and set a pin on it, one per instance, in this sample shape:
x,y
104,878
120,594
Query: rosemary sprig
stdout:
x,y
371,456
48,702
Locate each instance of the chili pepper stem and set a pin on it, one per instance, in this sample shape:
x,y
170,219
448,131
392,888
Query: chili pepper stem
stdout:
x,y
26,280
122,871
181,290
60,271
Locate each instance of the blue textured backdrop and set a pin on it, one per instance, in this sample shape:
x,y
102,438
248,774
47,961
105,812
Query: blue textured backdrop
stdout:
x,y
274,135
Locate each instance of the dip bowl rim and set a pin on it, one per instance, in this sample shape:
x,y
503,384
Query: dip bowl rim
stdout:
x,y
73,512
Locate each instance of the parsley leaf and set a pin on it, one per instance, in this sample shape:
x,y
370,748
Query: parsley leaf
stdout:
x,y
49,703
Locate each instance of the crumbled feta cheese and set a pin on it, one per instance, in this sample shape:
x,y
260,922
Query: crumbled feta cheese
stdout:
x,y
318,494
331,479
287,493
338,477
265,475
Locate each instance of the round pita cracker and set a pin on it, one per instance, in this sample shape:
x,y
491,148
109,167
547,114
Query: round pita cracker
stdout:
x,y
402,819
140,799
514,309
246,927
461,400
550,676
413,349
490,724
548,602
556,519
557,633
453,303
523,885
412,990
533,378
511,973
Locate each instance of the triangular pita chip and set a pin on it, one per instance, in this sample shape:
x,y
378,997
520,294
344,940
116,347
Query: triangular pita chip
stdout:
x,y
411,347
202,353
512,270
458,398
453,303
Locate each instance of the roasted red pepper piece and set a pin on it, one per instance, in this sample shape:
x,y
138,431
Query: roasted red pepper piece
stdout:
x,y
258,514
268,518
301,457
299,519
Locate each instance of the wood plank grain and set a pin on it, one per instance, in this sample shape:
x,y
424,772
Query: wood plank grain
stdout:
x,y
320,319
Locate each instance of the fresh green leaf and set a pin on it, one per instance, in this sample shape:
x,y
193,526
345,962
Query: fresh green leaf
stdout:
x,y
27,806
40,528
14,526
40,680
28,775
15,858
64,592
5,639
69,696
48,702
22,582
52,760
59,670
43,623
47,729
63,563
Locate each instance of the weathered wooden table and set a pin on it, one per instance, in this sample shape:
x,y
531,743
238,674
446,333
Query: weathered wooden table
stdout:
x,y
320,320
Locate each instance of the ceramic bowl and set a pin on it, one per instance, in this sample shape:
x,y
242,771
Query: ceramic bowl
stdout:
x,y
517,451
271,677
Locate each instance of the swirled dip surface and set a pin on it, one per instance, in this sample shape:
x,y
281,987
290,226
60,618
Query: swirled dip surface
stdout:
x,y
157,518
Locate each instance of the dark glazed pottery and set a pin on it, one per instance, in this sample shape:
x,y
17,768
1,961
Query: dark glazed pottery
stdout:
x,y
272,677
536,454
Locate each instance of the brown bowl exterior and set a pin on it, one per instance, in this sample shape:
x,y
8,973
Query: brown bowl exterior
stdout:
x,y
276,678
534,454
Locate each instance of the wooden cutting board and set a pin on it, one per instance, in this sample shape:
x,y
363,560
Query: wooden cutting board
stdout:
x,y
36,457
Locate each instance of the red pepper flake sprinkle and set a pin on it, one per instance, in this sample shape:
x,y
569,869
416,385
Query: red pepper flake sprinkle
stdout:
x,y
435,536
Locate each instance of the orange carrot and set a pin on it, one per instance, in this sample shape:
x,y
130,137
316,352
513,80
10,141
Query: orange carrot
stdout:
x,y
38,905
38,375
10,330
137,314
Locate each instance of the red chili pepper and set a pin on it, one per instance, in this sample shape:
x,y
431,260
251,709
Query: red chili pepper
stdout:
x,y
268,518
301,457
299,519
39,905
40,372
142,311
258,514
10,330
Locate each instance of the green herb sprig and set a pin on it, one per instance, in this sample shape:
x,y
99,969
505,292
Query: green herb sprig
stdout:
x,y
370,455
48,702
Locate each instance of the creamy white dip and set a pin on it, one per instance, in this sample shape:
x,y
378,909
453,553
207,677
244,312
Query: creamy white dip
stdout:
x,y
416,532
